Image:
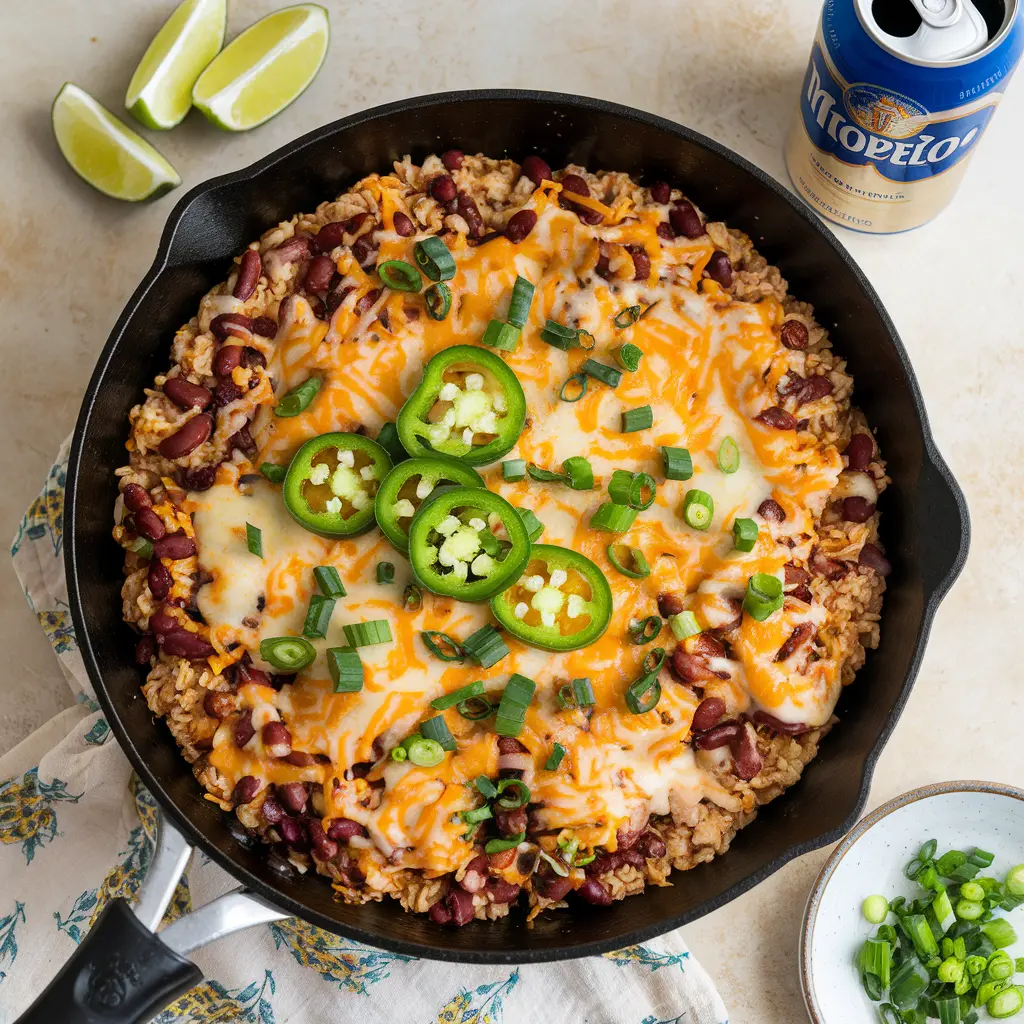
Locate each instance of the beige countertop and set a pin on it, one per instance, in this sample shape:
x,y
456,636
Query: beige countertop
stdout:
x,y
70,258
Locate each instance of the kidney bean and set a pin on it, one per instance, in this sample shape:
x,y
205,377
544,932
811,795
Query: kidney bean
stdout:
x,y
460,906
145,648
149,524
442,188
242,440
747,762
246,787
218,703
520,225
136,498
651,845
718,736
709,712
319,274
813,389
602,268
336,296
300,758
244,729
162,623
777,725
187,438
330,236
249,270
271,810
186,395
265,327
471,215
510,745
510,823
226,392
777,417
439,913
552,887
200,479
857,509
794,574
277,740
771,510
685,221
231,325
859,452
159,579
793,334
501,891
323,847
293,796
796,639
661,192
536,169
365,302
292,249
719,268
404,225
452,159
704,645
293,834
183,644
174,545
872,558
363,250
670,603
575,183
688,668
594,892
474,878
343,829
665,232
827,567
641,262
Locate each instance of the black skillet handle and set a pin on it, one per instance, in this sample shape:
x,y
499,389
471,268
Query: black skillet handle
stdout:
x,y
121,973
944,526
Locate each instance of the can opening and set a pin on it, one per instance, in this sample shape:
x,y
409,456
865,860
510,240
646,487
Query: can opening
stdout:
x,y
900,18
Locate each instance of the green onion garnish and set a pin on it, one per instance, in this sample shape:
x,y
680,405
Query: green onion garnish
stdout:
x,y
515,699
477,814
628,356
763,596
544,476
574,388
643,694
436,729
602,372
475,709
287,653
557,753
641,569
728,456
254,540
388,440
558,336
612,517
298,398
400,276
449,700
645,630
678,464
744,534
273,472
399,754
434,259
579,474
485,787
501,336
385,572
627,317
513,470
486,646
534,527
141,546
683,624
412,598
637,490
318,617
875,909
424,752
366,634
442,646
346,668
501,845
329,582
577,694
519,797
519,304
438,299
640,418
698,509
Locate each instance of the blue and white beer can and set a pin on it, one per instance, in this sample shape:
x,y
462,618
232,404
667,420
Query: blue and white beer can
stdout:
x,y
896,97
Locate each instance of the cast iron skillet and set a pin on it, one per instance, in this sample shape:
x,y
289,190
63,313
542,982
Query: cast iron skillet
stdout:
x,y
924,524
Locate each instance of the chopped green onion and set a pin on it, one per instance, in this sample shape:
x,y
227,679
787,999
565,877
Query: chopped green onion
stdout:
x,y
907,984
559,336
698,509
763,597
399,753
744,534
346,668
385,572
425,752
501,336
501,845
612,517
438,299
298,398
449,700
513,470
273,472
442,646
920,933
628,356
640,418
254,540
434,259
318,617
400,276
1015,880
577,380
875,909
644,631
728,456
637,490
520,798
1000,965
287,653
972,891
486,646
485,787
519,304
475,709
643,694
1000,932
329,582
437,729
1005,1004
557,753
579,474
641,568
943,911
982,858
683,624
412,598
602,372
477,814
627,317
927,851
366,634
876,959
534,527
579,693
544,476
949,862
678,464
141,546
557,866
515,699
388,440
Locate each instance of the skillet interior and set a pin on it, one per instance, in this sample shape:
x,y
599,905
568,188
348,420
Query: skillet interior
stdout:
x,y
924,525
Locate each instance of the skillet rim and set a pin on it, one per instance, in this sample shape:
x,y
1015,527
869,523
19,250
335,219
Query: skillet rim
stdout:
x,y
934,593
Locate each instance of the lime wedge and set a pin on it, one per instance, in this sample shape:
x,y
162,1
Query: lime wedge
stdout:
x,y
264,69
160,92
105,151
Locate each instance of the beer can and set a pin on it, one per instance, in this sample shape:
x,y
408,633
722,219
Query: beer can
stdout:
x,y
896,96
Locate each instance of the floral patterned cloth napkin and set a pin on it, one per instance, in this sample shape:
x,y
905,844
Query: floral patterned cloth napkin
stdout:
x,y
76,829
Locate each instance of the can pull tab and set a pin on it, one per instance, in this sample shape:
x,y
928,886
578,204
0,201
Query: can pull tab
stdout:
x,y
939,13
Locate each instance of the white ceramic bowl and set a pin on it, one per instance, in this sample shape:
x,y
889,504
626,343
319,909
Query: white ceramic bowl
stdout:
x,y
958,815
